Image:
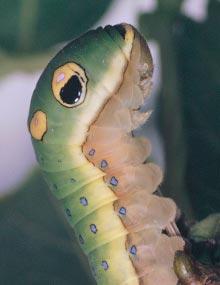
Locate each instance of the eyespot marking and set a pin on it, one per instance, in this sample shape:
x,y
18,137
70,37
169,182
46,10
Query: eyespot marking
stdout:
x,y
38,125
69,84
105,265
93,228
83,201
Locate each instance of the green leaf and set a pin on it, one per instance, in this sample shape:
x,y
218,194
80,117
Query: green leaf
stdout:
x,y
37,244
205,239
197,46
170,6
209,228
28,63
35,25
189,106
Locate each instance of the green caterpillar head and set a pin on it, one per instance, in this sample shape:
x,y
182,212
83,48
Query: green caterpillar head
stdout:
x,y
77,83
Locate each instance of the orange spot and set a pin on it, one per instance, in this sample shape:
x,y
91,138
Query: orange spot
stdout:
x,y
38,125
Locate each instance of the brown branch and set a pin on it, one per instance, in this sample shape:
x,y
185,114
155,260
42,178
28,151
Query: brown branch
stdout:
x,y
191,272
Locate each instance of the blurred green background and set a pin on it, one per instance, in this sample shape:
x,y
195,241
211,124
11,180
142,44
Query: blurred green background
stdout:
x,y
36,244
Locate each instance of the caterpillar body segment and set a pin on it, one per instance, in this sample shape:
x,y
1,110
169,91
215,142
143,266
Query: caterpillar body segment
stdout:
x,y
83,111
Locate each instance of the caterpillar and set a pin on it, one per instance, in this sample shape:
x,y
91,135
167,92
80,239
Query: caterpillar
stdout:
x,y
83,111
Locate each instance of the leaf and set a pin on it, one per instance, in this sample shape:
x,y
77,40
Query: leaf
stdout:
x,y
37,245
34,25
28,63
209,228
197,47
205,239
189,106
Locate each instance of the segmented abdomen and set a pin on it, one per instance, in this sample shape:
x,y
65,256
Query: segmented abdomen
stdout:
x,y
106,187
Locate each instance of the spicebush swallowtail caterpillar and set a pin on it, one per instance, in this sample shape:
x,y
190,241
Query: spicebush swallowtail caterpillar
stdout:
x,y
83,111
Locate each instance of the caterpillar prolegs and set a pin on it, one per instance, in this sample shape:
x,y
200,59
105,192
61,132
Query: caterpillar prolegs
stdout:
x,y
83,112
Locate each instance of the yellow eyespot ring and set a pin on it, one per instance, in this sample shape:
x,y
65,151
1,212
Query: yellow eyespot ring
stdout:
x,y
69,84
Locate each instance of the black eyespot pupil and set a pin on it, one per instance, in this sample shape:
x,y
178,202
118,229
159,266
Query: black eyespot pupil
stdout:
x,y
71,92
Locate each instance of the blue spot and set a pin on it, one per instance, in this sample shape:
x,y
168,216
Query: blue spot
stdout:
x,y
114,181
81,240
105,265
122,211
104,163
83,201
92,152
93,228
68,212
133,250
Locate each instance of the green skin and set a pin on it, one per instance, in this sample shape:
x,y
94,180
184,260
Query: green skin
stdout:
x,y
59,153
